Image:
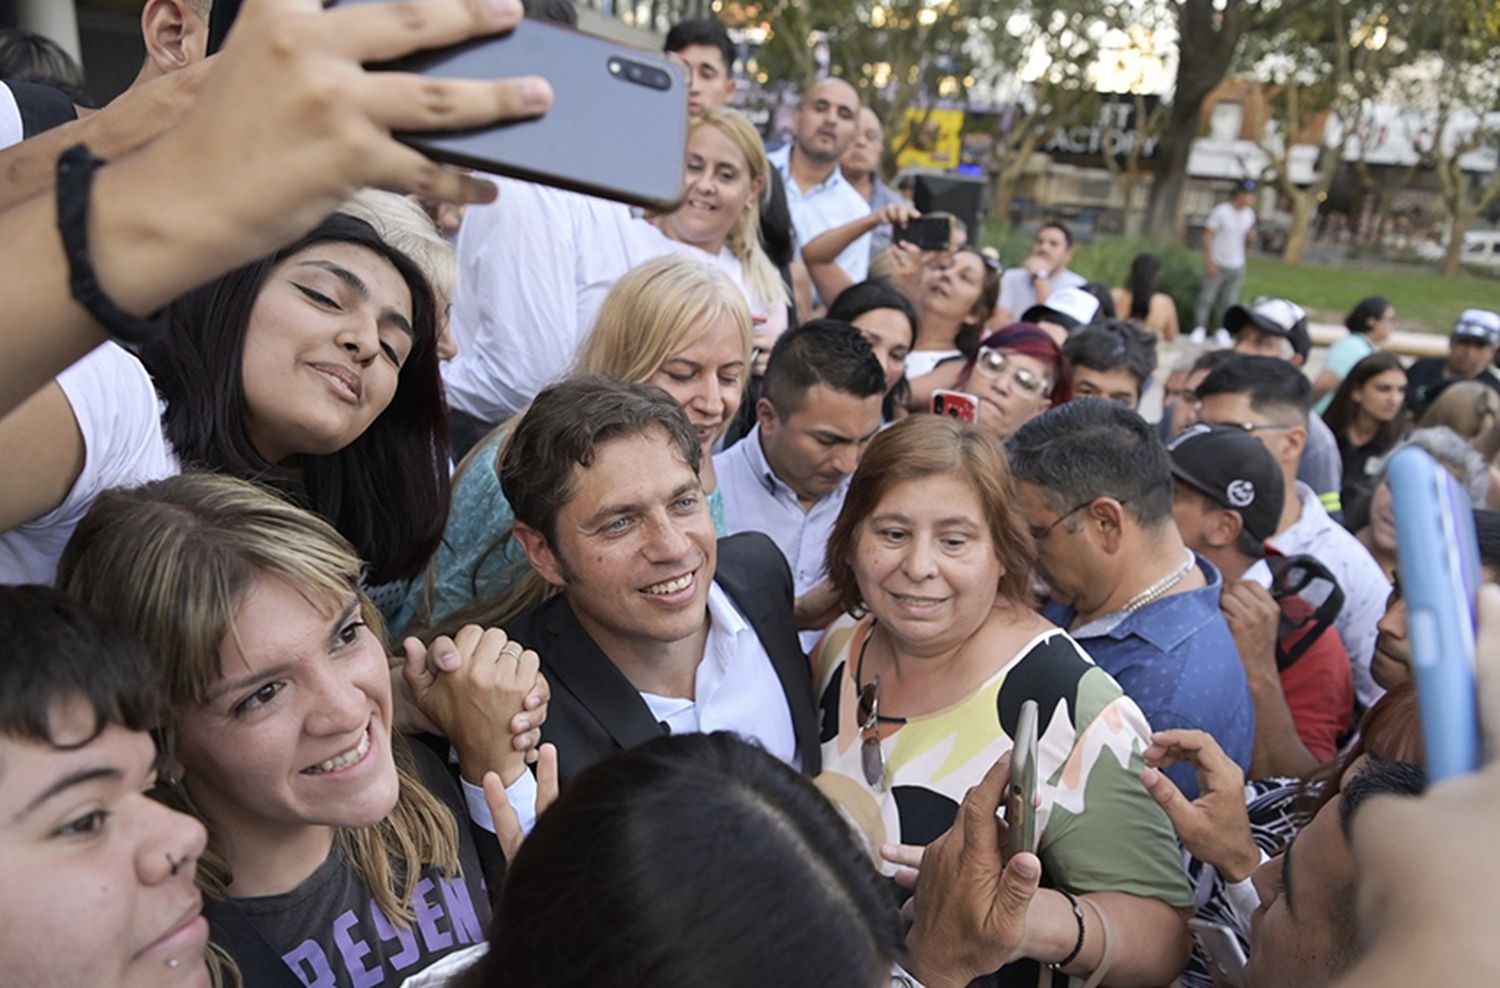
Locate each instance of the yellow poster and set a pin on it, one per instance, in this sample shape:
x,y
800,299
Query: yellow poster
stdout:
x,y
931,139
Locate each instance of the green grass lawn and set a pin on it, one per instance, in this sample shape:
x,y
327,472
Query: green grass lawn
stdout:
x,y
1425,301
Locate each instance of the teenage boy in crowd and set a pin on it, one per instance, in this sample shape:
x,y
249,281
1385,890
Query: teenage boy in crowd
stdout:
x,y
1227,502
660,626
1270,400
1112,359
1094,484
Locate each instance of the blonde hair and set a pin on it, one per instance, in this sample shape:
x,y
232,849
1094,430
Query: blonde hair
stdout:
x,y
761,277
654,311
1468,408
170,563
407,229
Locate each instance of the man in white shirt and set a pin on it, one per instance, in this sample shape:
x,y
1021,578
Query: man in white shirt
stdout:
x,y
818,195
1230,226
819,409
659,627
1269,399
1044,271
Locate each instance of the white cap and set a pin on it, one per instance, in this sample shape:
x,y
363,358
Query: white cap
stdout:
x,y
1478,324
1076,306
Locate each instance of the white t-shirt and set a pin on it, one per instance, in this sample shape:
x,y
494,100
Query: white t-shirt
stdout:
x,y
1230,227
119,416
920,363
534,267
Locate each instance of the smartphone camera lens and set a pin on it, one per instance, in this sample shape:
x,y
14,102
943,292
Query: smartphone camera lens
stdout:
x,y
641,75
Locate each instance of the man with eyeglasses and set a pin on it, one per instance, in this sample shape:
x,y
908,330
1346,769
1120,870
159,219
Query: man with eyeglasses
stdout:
x,y
1094,484
1275,327
1271,400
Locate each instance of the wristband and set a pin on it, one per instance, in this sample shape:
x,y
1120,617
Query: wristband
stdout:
x,y
75,179
1077,947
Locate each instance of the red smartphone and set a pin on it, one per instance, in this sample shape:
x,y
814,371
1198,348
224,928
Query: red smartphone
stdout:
x,y
956,405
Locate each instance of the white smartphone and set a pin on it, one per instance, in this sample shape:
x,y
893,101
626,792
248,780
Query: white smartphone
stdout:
x,y
1225,955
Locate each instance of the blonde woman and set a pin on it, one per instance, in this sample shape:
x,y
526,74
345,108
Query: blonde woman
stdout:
x,y
535,266
724,182
674,322
335,853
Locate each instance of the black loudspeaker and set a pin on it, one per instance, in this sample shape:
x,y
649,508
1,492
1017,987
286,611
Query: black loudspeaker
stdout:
x,y
960,195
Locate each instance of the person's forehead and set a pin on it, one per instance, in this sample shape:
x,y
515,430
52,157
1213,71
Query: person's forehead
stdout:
x,y
1112,379
643,465
701,54
834,91
868,119
709,141
31,767
824,407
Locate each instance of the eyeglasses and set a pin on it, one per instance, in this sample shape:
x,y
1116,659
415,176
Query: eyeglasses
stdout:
x,y
1038,534
871,758
1250,426
994,361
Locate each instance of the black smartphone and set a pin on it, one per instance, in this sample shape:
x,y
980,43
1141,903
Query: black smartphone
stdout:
x,y
618,124
926,232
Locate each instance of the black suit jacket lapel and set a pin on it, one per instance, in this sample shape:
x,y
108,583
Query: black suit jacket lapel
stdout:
x,y
577,664
772,620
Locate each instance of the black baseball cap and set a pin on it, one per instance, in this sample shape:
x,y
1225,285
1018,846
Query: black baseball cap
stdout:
x,y
1235,470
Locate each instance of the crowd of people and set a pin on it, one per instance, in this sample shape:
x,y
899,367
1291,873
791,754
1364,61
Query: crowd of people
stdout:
x,y
476,583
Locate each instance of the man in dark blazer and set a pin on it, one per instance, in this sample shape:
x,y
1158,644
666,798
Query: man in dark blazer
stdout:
x,y
660,626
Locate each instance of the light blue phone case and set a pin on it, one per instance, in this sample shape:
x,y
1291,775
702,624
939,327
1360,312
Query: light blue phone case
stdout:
x,y
1439,563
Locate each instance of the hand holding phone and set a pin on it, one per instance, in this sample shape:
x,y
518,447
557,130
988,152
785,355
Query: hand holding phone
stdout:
x,y
1438,556
926,232
956,405
1020,791
617,127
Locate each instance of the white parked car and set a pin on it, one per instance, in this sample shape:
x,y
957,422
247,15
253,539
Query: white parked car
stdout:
x,y
1481,249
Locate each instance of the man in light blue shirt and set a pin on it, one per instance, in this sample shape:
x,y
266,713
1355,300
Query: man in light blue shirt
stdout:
x,y
817,194
819,410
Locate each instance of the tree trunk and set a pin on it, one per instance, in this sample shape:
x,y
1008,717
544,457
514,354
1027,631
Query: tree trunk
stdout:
x,y
1164,207
1455,249
1005,195
1296,237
